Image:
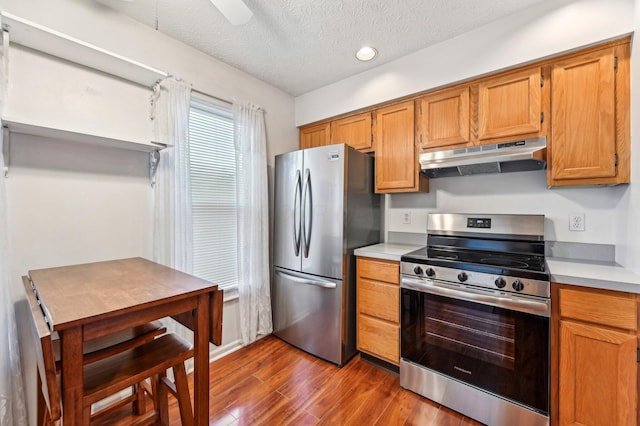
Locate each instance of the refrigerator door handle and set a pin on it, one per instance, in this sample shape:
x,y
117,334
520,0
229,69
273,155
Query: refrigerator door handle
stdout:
x,y
307,212
296,208
318,282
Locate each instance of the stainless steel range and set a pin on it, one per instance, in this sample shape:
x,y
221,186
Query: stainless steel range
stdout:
x,y
475,309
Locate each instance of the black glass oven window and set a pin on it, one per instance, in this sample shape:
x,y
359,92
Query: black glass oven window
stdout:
x,y
484,335
498,350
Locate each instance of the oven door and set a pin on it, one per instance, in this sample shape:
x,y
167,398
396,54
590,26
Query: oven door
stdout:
x,y
491,340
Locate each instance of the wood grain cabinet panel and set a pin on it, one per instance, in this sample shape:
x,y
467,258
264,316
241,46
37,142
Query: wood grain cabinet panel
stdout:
x,y
396,159
594,357
589,142
379,338
380,270
598,371
378,308
614,309
443,118
380,300
315,135
355,131
510,105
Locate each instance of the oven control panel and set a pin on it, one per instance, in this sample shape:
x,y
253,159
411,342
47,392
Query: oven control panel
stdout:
x,y
478,222
526,286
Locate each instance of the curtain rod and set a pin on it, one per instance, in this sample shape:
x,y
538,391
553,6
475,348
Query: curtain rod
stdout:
x,y
212,96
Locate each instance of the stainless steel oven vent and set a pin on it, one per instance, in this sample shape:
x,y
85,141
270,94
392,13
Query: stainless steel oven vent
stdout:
x,y
504,157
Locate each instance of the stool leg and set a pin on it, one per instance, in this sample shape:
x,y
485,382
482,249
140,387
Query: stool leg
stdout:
x,y
162,402
139,405
182,393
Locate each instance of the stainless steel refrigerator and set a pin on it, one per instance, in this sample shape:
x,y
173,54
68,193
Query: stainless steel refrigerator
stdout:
x,y
325,207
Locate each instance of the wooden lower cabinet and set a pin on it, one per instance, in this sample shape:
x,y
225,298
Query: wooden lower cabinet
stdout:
x,y
378,308
594,368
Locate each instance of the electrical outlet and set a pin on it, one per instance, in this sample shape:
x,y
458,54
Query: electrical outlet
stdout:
x,y
406,218
576,222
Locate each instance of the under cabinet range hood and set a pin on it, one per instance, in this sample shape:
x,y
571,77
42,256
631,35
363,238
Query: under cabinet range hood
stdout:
x,y
515,156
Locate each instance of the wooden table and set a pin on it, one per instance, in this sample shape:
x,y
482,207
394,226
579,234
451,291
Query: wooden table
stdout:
x,y
84,302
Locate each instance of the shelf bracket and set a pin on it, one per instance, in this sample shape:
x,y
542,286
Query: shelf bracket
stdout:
x,y
6,148
154,160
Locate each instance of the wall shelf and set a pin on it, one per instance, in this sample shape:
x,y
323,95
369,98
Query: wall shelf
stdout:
x,y
43,39
34,129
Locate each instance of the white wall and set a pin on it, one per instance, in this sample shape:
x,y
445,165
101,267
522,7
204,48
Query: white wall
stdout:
x,y
628,228
549,28
514,193
72,202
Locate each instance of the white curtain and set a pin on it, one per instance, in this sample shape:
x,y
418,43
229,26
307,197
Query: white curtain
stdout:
x,y
172,217
253,222
173,231
12,397
12,403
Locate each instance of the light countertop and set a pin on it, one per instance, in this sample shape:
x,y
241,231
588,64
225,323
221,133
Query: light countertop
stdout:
x,y
387,251
603,275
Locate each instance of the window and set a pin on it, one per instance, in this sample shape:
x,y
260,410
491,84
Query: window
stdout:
x,y
213,193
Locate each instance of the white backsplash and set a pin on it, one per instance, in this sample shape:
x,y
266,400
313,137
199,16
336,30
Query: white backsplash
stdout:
x,y
511,193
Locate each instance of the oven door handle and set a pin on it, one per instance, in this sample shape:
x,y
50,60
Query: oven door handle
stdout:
x,y
536,307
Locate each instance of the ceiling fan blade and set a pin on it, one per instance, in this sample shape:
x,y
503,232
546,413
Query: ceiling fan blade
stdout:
x,y
236,12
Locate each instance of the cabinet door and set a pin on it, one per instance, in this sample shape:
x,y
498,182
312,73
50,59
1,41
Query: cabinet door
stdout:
x,y
510,105
598,373
355,131
443,118
583,139
396,157
316,135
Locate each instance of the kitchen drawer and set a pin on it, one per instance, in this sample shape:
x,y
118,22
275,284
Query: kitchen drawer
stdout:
x,y
379,300
613,309
379,338
379,270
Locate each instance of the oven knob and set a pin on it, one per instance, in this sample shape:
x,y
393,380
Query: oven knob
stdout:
x,y
462,276
430,272
500,282
517,285
417,270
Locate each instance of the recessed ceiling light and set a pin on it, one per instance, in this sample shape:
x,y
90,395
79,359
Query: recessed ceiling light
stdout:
x,y
366,53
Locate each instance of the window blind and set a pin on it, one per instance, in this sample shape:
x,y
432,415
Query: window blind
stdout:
x,y
213,193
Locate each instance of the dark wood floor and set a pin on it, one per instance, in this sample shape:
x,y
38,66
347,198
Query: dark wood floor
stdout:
x,y
272,383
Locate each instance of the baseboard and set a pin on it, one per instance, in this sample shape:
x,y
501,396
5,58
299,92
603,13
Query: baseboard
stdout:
x,y
224,350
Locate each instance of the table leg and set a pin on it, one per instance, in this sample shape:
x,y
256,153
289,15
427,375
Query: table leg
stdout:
x,y
72,376
201,362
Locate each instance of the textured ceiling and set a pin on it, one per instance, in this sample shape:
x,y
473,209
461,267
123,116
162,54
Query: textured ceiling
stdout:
x,y
301,45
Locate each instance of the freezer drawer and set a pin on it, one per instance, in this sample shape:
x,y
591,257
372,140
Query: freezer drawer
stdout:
x,y
308,313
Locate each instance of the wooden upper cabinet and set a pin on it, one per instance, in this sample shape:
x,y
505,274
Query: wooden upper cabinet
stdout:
x,y
355,131
510,105
316,135
443,118
396,158
590,99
